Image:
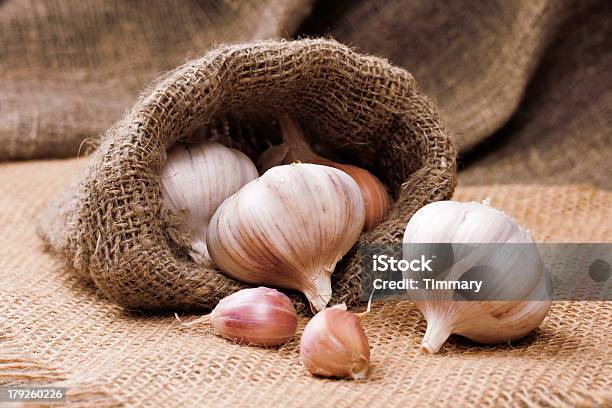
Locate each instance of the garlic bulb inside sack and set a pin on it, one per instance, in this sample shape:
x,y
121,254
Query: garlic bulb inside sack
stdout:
x,y
196,179
334,344
289,228
295,149
515,274
260,316
377,201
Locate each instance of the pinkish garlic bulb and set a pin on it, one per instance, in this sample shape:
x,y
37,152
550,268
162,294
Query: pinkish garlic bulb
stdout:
x,y
334,344
259,316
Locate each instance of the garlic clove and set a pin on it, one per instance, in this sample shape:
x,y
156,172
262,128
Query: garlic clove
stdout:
x,y
289,228
334,344
519,275
259,316
196,179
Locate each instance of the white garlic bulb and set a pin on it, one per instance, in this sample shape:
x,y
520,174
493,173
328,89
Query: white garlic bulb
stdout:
x,y
334,344
517,274
259,316
196,179
289,228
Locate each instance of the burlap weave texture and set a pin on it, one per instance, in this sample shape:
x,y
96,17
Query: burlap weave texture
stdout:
x,y
70,69
56,329
524,85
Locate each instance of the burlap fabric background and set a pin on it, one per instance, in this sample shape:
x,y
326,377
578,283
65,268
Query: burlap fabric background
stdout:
x,y
530,78
70,69
57,329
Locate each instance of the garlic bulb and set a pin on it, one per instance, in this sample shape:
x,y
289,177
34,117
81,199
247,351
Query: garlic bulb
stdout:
x,y
517,277
377,202
295,149
196,179
334,344
260,316
289,228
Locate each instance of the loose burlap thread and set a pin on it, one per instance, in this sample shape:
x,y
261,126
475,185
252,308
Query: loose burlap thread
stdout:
x,y
114,227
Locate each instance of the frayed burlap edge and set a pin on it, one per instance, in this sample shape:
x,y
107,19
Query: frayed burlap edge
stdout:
x,y
21,370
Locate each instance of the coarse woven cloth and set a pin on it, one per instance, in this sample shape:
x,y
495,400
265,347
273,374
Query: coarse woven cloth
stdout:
x,y
70,69
524,86
529,78
56,329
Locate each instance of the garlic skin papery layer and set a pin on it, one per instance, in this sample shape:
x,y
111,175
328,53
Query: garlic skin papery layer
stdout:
x,y
525,277
289,228
196,179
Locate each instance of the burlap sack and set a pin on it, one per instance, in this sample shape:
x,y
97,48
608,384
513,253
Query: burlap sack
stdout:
x,y
114,226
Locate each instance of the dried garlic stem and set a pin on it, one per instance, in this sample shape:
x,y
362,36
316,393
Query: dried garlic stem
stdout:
x,y
435,336
200,320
